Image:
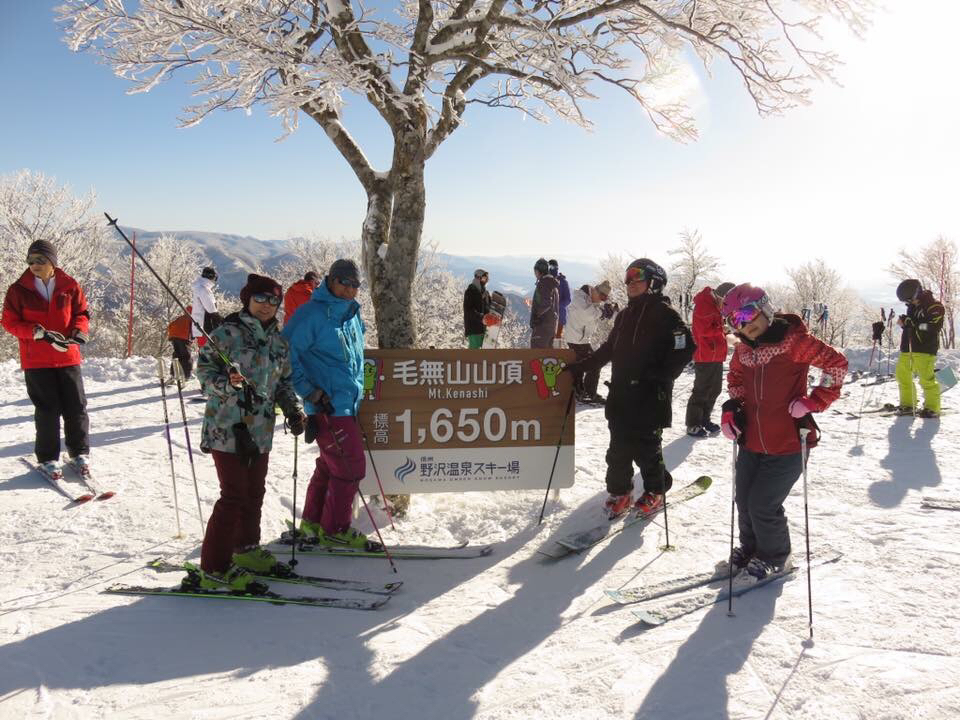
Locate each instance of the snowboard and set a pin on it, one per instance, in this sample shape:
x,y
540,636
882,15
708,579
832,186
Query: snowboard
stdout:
x,y
498,307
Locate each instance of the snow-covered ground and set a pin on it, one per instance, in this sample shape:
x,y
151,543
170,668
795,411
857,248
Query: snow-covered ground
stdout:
x,y
508,636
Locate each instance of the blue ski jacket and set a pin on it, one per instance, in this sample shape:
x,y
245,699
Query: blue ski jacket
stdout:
x,y
326,337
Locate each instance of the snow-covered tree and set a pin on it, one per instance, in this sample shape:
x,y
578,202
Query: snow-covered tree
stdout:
x,y
937,267
837,312
693,269
421,64
34,207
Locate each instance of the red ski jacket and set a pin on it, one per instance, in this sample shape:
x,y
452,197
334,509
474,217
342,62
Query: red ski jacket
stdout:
x,y
24,308
296,295
767,377
707,329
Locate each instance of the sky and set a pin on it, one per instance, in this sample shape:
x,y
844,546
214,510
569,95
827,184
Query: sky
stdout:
x,y
867,169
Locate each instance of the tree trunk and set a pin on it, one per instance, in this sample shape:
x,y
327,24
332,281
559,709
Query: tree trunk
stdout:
x,y
395,214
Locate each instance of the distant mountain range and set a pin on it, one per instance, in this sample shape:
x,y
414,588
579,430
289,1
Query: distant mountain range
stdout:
x,y
235,256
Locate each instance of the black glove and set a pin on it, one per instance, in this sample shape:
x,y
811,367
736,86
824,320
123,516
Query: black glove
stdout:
x,y
295,422
575,367
310,430
56,339
878,328
733,420
79,337
246,447
321,401
608,310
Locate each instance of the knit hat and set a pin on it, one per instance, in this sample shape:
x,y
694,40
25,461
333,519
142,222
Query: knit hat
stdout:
x,y
541,266
346,271
723,288
209,273
259,284
604,288
45,248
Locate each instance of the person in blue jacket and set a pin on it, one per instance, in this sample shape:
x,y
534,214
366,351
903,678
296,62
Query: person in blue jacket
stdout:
x,y
326,337
563,288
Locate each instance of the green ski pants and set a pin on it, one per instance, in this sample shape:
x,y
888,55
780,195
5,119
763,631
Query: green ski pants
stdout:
x,y
921,365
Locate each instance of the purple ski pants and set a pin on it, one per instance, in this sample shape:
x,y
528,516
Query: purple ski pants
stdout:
x,y
340,468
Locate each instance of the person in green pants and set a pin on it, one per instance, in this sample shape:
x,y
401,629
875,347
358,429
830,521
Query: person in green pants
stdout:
x,y
919,343
476,304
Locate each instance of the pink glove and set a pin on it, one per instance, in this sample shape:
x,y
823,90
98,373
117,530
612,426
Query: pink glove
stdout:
x,y
800,406
728,426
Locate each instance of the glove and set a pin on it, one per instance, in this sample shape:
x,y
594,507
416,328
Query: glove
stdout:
x,y
491,319
321,401
296,422
57,340
878,328
235,378
904,321
575,367
800,407
608,310
79,337
732,420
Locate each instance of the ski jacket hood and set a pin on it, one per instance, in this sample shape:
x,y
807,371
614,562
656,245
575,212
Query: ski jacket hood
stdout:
x,y
24,308
767,375
583,317
296,295
708,330
326,337
263,357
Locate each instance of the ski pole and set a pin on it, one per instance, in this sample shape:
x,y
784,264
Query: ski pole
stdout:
x,y
293,546
666,523
386,505
563,427
806,520
213,343
166,425
178,374
733,506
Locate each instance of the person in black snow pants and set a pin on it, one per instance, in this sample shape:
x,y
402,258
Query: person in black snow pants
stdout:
x,y
648,347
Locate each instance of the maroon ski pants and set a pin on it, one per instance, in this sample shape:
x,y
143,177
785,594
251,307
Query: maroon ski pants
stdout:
x,y
235,522
340,468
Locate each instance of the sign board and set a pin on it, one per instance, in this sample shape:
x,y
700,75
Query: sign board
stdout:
x,y
459,420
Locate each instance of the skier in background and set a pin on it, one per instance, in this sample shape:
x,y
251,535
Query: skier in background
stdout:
x,y
204,305
919,344
476,305
588,306
179,335
237,431
298,293
545,307
46,311
711,339
563,296
768,405
648,347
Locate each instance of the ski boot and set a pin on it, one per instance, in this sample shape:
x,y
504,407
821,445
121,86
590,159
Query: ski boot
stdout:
x,y
712,428
349,538
740,560
235,579
928,414
51,469
758,570
260,561
617,505
648,503
697,431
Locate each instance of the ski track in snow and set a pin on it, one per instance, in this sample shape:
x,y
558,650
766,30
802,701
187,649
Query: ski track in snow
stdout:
x,y
503,637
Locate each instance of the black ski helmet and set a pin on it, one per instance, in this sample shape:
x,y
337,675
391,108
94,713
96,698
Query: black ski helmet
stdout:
x,y
655,275
908,290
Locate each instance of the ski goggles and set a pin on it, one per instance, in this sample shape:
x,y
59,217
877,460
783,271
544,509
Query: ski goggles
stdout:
x,y
348,282
744,316
37,260
264,298
635,274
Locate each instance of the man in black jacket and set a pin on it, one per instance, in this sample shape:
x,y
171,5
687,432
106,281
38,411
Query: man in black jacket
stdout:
x,y
649,346
918,348
476,304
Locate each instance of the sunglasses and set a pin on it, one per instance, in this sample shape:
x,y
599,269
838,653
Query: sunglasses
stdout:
x,y
635,274
348,282
265,298
744,316
37,260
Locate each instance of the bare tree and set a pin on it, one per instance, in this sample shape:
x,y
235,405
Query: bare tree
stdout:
x,y
936,267
816,285
693,269
34,207
420,67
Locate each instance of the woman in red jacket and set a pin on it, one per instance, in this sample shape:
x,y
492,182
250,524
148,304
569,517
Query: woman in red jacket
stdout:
x,y
711,340
47,312
768,405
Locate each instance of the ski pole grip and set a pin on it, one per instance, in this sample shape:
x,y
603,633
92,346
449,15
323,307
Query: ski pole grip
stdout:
x,y
803,433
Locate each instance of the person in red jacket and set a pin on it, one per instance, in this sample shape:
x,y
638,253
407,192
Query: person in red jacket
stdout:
x,y
711,339
46,311
298,293
179,333
768,406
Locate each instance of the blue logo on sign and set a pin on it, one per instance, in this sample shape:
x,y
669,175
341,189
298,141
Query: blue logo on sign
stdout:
x,y
401,472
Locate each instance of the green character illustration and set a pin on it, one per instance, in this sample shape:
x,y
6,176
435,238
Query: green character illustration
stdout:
x,y
371,378
551,371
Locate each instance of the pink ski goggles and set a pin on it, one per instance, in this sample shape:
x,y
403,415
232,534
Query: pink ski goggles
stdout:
x,y
744,316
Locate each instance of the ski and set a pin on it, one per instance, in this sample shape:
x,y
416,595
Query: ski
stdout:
x,y
629,596
86,477
161,565
684,606
268,597
940,503
584,539
426,552
74,490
